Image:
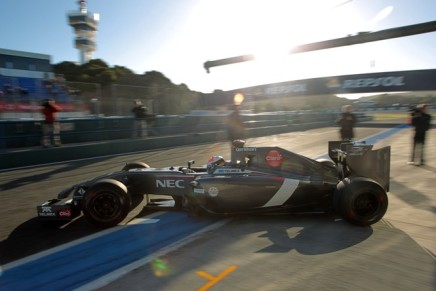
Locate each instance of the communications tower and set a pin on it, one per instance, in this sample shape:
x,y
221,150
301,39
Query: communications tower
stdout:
x,y
85,26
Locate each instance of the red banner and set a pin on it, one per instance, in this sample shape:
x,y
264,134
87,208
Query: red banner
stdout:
x,y
30,107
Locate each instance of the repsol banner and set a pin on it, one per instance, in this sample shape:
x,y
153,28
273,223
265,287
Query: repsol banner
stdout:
x,y
421,80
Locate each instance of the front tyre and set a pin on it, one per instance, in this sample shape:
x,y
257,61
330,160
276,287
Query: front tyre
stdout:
x,y
106,203
360,201
135,165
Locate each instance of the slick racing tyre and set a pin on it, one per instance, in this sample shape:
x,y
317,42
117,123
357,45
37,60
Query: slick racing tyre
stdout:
x,y
135,165
106,203
360,201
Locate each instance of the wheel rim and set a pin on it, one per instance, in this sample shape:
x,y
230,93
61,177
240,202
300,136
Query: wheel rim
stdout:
x,y
366,205
106,206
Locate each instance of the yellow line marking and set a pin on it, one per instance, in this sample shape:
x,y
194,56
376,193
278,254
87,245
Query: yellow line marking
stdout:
x,y
213,280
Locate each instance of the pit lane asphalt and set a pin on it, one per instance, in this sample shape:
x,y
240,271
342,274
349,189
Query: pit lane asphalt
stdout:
x,y
259,253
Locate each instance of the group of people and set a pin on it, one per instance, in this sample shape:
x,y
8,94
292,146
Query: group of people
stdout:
x,y
347,120
420,121
51,125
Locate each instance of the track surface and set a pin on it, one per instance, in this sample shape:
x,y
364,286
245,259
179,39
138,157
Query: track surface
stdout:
x,y
256,252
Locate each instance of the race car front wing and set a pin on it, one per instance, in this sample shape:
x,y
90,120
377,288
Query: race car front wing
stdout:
x,y
56,209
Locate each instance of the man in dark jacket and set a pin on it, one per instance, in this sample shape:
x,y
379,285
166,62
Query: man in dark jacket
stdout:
x,y
421,120
140,113
346,121
235,126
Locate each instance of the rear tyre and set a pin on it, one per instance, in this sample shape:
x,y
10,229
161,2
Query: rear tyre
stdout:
x,y
106,203
135,165
360,201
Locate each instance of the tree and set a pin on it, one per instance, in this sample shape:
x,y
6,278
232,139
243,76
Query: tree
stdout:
x,y
169,98
69,70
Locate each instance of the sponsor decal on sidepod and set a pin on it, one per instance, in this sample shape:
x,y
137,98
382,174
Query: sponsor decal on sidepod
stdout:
x,y
274,158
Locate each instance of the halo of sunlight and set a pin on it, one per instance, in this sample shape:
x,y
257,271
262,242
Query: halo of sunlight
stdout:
x,y
238,99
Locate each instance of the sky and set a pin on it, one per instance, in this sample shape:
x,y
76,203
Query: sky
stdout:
x,y
176,37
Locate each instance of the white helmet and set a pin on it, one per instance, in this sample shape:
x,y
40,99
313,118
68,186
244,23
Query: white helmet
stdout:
x,y
215,161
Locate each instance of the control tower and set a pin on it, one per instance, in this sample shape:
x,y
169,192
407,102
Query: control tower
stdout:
x,y
85,26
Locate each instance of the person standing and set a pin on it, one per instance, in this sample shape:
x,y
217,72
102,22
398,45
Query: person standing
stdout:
x,y
51,126
346,120
235,126
140,113
421,121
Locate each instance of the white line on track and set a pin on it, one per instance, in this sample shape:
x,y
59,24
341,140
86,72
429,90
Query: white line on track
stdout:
x,y
111,277
149,219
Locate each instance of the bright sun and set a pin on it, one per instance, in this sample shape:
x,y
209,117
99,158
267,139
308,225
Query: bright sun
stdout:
x,y
271,28
268,30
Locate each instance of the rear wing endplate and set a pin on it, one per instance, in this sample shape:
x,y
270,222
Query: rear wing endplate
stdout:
x,y
359,159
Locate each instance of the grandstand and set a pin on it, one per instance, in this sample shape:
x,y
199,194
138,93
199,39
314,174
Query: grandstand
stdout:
x,y
26,79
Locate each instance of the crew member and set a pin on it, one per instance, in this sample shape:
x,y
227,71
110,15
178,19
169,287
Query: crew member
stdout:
x,y
51,126
421,121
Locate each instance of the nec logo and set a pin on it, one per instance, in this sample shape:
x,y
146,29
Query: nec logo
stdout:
x,y
170,183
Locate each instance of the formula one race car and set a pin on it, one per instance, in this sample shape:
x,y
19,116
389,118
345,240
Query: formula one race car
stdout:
x,y
352,184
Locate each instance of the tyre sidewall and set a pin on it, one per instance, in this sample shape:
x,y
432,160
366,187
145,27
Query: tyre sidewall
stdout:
x,y
352,190
110,189
135,165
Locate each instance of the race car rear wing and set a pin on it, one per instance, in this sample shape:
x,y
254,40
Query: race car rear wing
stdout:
x,y
359,159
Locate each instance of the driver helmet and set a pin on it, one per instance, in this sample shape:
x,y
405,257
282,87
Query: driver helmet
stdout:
x,y
215,161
